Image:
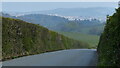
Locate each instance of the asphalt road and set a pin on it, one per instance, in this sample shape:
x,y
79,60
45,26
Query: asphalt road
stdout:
x,y
73,57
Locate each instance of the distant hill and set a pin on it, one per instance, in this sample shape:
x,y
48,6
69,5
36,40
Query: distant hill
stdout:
x,y
109,44
92,40
93,27
95,12
44,20
56,23
20,38
5,15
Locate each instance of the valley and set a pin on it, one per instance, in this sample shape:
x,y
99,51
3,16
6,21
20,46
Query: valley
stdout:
x,y
60,34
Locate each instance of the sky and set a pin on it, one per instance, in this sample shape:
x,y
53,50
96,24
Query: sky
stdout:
x,y
40,6
60,0
22,7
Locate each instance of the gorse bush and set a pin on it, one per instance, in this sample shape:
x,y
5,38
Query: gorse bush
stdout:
x,y
109,45
20,38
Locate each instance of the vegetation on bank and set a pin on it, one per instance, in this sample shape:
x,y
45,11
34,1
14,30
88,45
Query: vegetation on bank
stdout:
x,y
20,38
0,38
109,45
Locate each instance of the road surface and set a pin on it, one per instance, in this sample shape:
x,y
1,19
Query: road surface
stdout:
x,y
72,57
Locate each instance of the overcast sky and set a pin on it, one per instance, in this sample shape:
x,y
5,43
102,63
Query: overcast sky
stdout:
x,y
60,0
40,6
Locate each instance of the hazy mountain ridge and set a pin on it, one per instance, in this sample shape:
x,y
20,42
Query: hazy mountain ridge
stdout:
x,y
62,24
90,12
56,23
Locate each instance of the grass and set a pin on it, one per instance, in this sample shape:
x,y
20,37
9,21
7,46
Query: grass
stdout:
x,y
92,40
86,30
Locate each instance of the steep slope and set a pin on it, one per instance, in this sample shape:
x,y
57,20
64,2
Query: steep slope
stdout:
x,y
20,38
109,45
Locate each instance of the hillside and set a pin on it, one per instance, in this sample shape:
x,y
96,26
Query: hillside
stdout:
x,y
85,27
44,20
56,23
92,40
109,44
20,38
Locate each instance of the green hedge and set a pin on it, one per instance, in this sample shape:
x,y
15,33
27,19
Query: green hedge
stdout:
x,y
20,38
109,45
